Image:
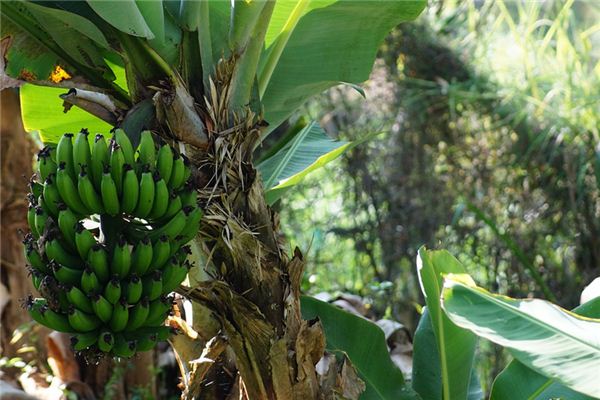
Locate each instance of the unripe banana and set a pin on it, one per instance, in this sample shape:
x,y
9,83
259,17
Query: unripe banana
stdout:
x,y
87,193
81,341
173,227
100,158
134,289
51,195
146,341
159,309
161,198
38,310
110,198
46,165
79,299
102,308
35,187
81,150
55,251
173,274
152,285
64,154
187,171
160,253
164,162
112,291
131,190
177,173
117,161
121,260
40,220
31,220
123,140
68,191
192,225
146,150
66,275
84,240
98,262
82,322
189,195
183,253
138,315
67,221
120,316
63,302
141,257
36,277
173,208
123,348
146,196
106,340
89,281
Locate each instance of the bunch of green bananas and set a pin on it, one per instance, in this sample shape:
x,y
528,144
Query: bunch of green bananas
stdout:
x,y
109,227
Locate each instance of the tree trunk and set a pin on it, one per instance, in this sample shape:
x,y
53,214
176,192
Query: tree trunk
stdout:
x,y
245,289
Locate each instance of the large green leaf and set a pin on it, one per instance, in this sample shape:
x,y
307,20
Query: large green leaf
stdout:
x,y
541,335
49,119
364,343
518,381
329,45
123,15
456,346
426,371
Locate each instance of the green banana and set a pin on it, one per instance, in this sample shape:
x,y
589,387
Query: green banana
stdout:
x,y
161,198
40,220
40,312
81,341
55,251
82,322
141,256
146,196
121,138
84,240
66,224
102,308
183,253
98,261
134,289
146,150
159,310
106,340
131,190
35,187
173,227
64,274
173,208
100,158
123,348
61,296
68,190
187,171
177,173
108,188
31,220
87,193
152,285
138,315
81,150
164,162
189,196
51,195
36,278
89,281
35,259
117,161
46,165
160,253
121,260
79,299
120,316
174,273
112,291
145,341
64,154
192,225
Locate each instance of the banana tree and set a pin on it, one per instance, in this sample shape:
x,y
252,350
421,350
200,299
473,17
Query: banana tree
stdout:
x,y
214,79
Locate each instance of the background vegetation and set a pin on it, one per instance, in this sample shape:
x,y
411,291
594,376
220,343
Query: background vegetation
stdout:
x,y
489,147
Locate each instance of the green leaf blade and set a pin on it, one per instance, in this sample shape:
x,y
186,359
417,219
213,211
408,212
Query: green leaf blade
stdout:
x,y
541,335
123,15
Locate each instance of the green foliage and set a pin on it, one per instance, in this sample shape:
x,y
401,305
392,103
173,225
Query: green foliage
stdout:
x,y
539,334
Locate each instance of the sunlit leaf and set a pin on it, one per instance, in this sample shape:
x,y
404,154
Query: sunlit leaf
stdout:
x,y
123,15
